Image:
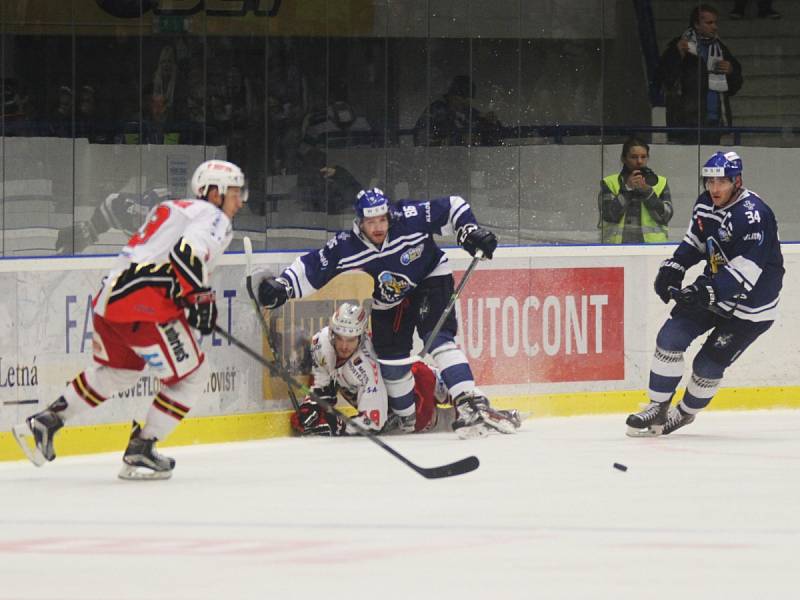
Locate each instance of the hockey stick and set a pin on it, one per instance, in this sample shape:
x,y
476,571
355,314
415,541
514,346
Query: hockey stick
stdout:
x,y
248,254
440,323
711,243
465,465
712,246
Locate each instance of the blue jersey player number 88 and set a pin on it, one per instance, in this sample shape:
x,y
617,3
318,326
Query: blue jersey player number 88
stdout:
x,y
394,243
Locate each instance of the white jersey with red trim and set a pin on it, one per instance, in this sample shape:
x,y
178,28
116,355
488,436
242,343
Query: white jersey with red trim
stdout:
x,y
359,377
141,284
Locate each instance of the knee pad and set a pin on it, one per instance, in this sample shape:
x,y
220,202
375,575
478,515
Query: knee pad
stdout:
x,y
109,381
705,367
399,385
671,337
188,389
446,354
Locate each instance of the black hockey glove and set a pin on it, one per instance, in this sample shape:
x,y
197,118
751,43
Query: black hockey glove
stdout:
x,y
327,393
202,307
473,238
698,295
273,292
670,274
311,419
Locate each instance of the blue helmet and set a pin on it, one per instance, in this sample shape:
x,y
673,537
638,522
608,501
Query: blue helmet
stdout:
x,y
723,164
371,203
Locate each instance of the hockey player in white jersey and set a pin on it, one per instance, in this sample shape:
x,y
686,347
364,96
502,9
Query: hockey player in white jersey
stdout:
x,y
344,362
147,314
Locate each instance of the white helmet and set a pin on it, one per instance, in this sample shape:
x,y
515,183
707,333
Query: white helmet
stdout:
x,y
219,173
349,320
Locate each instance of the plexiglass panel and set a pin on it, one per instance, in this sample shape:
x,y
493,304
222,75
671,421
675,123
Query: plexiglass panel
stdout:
x,y
521,107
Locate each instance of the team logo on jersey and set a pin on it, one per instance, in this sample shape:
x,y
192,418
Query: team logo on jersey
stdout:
x,y
411,254
393,286
724,234
722,340
360,374
748,204
424,308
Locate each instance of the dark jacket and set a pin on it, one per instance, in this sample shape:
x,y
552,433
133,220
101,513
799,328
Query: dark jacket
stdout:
x,y
680,80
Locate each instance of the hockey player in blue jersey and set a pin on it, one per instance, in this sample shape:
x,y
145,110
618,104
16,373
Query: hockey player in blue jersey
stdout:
x,y
413,284
736,297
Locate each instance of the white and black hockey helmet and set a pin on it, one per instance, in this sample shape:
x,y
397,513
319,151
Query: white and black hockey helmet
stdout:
x,y
349,320
220,174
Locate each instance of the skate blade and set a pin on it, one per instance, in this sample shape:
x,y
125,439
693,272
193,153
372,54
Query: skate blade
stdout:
x,y
133,473
520,417
500,422
24,437
653,431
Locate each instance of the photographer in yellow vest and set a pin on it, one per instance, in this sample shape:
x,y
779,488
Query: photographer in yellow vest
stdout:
x,y
635,204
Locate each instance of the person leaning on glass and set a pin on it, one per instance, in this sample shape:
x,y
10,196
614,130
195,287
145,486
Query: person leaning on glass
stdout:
x,y
635,204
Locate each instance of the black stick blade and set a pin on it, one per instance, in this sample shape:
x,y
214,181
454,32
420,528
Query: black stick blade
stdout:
x,y
465,465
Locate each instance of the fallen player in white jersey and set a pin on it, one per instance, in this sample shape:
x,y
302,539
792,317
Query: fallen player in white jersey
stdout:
x,y
344,362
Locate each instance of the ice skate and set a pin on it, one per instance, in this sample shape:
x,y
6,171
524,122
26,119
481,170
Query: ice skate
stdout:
x,y
35,435
397,424
142,461
512,415
649,421
676,419
475,418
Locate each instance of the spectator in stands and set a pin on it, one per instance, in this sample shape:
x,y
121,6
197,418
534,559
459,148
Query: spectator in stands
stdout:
x,y
61,118
154,126
19,113
452,120
699,74
88,124
635,204
765,10
323,187
338,126
165,83
287,105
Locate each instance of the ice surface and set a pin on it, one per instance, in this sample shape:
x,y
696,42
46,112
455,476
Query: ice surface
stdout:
x,y
708,512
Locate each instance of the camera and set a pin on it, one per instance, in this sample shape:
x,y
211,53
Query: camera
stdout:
x,y
650,177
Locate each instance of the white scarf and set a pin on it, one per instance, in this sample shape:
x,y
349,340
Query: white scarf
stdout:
x,y
717,82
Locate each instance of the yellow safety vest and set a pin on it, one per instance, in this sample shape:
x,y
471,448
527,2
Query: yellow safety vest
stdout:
x,y
652,232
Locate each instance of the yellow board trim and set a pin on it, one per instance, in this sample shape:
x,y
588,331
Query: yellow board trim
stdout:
x,y
595,403
92,439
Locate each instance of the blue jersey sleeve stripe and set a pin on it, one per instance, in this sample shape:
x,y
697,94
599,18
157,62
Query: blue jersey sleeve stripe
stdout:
x,y
297,280
693,241
745,270
458,207
388,252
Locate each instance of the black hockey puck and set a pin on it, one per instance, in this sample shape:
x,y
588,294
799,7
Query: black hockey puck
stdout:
x,y
620,467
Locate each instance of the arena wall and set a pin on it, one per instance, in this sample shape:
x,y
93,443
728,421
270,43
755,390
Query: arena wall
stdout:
x,y
550,330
